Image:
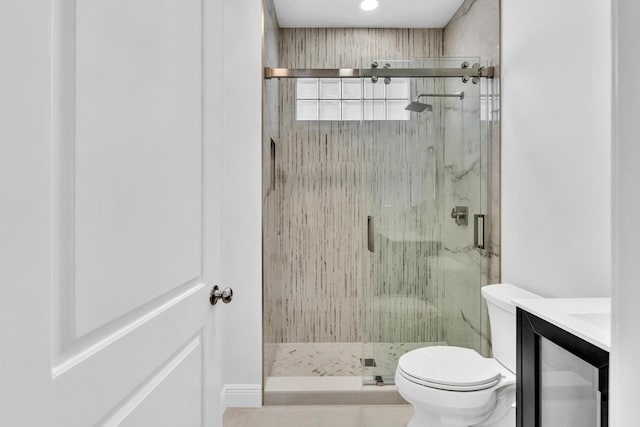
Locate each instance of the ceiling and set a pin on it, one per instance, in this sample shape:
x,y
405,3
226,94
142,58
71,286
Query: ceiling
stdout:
x,y
347,13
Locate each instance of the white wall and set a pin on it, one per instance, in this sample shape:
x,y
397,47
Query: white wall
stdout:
x,y
625,375
242,217
556,146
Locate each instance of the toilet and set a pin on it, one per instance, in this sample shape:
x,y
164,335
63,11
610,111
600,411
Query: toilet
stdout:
x,y
454,386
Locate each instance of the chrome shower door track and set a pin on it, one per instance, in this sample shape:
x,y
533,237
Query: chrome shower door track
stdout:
x,y
345,73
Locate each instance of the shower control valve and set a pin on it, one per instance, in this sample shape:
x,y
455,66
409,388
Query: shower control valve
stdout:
x,y
460,215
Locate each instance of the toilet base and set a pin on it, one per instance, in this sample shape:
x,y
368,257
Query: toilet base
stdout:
x,y
509,420
425,419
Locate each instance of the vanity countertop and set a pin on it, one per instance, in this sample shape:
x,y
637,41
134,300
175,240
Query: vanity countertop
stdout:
x,y
587,318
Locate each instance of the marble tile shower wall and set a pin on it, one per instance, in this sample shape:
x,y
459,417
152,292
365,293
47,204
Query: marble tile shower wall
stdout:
x,y
473,31
316,274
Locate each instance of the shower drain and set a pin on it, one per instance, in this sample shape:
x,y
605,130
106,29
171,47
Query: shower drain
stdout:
x,y
368,363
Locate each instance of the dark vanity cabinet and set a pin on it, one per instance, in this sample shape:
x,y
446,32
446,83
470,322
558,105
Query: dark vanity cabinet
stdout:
x,y
562,380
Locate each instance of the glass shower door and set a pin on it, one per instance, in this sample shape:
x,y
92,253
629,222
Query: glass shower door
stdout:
x,y
423,190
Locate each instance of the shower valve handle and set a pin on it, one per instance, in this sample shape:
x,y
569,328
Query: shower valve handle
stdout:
x,y
460,215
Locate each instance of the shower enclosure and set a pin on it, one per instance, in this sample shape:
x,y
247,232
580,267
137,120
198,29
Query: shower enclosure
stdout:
x,y
375,216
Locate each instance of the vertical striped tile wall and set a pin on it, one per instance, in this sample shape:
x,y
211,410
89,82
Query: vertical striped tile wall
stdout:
x,y
314,285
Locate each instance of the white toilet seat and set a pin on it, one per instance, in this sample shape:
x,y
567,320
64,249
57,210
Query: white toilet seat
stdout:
x,y
449,368
446,387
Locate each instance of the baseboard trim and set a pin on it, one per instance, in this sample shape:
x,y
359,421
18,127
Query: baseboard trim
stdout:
x,y
242,396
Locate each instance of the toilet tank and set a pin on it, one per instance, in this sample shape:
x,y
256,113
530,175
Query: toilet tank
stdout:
x,y
502,318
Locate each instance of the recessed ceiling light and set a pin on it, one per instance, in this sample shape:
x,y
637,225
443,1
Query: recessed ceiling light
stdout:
x,y
368,4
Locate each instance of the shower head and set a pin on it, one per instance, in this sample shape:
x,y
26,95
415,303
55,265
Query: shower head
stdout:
x,y
418,107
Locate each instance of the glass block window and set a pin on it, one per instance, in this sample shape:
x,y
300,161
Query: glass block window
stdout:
x,y
352,99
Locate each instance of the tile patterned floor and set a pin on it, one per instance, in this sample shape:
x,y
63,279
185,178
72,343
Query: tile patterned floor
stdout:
x,y
320,416
338,359
317,359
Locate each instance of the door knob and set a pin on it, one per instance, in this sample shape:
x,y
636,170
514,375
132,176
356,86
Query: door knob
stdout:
x,y
226,295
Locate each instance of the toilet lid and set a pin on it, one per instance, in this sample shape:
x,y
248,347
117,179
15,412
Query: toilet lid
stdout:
x,y
449,368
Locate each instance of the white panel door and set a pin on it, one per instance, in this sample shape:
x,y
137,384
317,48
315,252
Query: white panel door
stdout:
x,y
109,221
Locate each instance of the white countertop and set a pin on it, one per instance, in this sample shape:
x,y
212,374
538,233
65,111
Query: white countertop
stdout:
x,y
587,318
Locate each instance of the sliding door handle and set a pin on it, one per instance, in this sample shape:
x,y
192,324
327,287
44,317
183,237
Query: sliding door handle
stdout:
x,y
478,242
370,234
